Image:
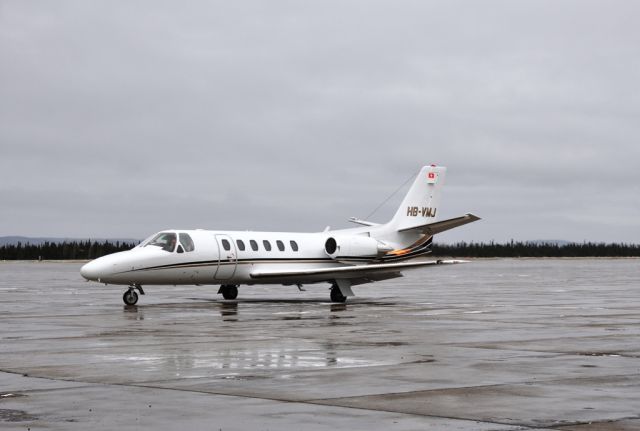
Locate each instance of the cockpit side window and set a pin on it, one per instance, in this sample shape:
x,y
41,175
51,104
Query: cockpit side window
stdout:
x,y
164,240
187,242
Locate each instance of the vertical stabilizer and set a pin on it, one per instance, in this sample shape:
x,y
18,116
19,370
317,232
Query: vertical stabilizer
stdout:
x,y
420,205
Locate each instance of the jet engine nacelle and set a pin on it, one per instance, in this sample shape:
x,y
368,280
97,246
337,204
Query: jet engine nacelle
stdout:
x,y
342,247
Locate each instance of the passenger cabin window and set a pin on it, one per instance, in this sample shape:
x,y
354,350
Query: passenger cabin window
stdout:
x,y
164,240
254,245
267,245
186,242
240,244
226,245
280,245
294,245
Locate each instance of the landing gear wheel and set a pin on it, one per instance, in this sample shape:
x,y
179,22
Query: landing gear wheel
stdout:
x,y
229,292
336,295
130,297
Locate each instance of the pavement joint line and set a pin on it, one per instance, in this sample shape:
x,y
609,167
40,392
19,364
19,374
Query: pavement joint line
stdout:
x,y
543,340
596,422
315,401
586,354
524,426
285,400
520,349
527,383
50,379
150,384
520,425
81,385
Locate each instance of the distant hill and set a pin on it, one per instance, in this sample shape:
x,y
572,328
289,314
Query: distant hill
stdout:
x,y
13,240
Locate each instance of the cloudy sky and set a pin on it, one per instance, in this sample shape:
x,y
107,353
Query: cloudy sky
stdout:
x,y
124,118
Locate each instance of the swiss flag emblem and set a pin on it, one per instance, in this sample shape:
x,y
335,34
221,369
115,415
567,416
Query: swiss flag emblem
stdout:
x,y
431,177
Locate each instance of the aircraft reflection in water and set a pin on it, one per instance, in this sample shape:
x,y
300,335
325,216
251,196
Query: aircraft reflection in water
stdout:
x,y
268,352
308,355
229,311
343,258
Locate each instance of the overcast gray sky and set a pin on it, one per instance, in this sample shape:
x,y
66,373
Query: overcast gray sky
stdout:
x,y
124,118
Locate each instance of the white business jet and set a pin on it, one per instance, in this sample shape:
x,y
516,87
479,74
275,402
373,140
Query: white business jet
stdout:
x,y
343,258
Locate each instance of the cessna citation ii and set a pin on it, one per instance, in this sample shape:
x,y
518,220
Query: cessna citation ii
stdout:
x,y
343,258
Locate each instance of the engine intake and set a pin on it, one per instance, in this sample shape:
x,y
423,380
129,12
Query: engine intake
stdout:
x,y
343,247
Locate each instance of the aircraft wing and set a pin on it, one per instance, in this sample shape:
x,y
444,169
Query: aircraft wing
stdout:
x,y
440,226
352,271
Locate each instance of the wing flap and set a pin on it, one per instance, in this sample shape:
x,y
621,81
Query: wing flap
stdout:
x,y
441,226
349,271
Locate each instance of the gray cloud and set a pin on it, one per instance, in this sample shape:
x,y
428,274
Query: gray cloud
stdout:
x,y
120,119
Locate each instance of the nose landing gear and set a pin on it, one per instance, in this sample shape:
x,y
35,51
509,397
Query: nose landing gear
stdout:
x,y
130,297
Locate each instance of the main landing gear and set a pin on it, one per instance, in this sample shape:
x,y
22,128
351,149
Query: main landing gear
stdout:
x,y
229,291
130,297
336,294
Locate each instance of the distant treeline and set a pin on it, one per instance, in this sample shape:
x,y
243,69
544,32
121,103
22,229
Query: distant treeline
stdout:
x,y
536,249
81,250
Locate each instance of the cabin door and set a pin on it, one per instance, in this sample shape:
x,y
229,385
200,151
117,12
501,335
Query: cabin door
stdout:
x,y
227,257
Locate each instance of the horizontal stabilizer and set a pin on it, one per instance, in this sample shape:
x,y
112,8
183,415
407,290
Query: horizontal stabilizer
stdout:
x,y
362,222
441,226
345,272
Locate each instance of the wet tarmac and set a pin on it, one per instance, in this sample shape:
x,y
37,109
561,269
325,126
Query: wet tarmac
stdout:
x,y
490,345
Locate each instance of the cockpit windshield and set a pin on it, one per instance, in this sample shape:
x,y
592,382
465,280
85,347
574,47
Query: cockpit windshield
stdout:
x,y
165,240
146,241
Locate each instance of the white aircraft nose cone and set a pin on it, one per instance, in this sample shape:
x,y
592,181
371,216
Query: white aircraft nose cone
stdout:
x,y
92,270
104,268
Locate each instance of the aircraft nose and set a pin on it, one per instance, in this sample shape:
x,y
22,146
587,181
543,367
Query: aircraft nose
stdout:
x,y
92,270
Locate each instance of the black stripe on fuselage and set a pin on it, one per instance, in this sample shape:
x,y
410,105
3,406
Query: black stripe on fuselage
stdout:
x,y
216,262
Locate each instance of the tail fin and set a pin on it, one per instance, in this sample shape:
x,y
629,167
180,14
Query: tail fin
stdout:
x,y
420,205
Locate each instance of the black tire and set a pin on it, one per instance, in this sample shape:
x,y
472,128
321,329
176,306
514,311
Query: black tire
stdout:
x,y
230,292
337,296
130,297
